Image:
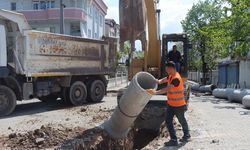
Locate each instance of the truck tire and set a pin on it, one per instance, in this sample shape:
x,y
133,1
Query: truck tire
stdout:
x,y
65,96
7,101
96,91
77,93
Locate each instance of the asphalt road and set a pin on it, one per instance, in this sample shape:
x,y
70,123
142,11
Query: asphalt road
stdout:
x,y
214,123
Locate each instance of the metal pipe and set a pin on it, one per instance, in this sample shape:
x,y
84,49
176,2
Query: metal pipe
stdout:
x,y
207,88
62,17
246,101
237,95
195,87
220,93
130,105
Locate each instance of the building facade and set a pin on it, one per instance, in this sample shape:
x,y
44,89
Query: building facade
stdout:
x,y
112,29
85,18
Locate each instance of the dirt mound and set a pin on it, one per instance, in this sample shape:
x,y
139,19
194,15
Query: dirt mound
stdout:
x,y
148,126
97,139
45,137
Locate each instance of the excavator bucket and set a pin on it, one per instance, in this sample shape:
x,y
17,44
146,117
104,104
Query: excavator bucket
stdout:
x,y
132,20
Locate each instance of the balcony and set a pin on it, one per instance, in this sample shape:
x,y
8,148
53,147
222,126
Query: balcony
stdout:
x,y
54,14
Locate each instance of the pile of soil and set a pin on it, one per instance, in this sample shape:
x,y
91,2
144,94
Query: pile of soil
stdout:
x,y
45,137
97,139
148,126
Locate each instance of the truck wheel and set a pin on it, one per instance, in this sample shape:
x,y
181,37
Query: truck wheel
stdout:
x,y
96,91
65,96
7,101
78,93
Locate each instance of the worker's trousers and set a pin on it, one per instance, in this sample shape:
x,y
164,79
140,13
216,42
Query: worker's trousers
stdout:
x,y
179,112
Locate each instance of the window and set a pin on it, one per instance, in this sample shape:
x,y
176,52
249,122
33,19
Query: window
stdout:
x,y
53,29
84,4
96,16
101,20
48,4
90,11
35,5
75,29
89,33
13,6
42,5
52,5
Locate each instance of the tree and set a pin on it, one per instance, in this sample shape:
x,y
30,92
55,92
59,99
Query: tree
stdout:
x,y
238,25
124,52
199,20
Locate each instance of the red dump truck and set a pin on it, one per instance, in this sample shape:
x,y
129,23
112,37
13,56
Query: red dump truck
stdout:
x,y
49,66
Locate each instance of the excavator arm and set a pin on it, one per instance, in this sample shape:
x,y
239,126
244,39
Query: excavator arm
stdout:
x,y
139,21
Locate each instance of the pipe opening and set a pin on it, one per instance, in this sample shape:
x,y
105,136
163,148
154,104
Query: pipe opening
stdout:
x,y
146,81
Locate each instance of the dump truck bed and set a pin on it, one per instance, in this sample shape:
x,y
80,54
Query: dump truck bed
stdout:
x,y
47,54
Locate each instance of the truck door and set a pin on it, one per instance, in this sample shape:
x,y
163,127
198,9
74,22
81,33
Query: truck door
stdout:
x,y
3,48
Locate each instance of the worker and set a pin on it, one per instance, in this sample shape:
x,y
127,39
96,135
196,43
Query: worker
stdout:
x,y
175,56
176,104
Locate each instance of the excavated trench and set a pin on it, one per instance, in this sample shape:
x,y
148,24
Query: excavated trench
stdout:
x,y
148,126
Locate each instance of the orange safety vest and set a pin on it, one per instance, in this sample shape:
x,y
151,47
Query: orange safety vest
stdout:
x,y
176,97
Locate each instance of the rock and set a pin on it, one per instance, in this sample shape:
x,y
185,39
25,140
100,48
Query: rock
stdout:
x,y
67,119
83,110
39,141
12,135
215,141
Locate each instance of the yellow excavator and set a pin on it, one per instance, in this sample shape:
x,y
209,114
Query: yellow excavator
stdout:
x,y
140,20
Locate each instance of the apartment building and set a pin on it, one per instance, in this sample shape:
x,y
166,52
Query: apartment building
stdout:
x,y
112,29
85,18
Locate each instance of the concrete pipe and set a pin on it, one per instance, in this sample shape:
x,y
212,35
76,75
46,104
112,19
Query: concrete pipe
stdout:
x,y
207,88
130,105
220,93
237,95
195,87
246,101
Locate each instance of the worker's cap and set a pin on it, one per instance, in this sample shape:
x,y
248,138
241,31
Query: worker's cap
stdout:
x,y
170,64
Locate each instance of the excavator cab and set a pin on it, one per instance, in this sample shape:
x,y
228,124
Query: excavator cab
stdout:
x,y
166,39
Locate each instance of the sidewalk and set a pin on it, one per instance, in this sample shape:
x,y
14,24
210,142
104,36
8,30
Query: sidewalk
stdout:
x,y
214,125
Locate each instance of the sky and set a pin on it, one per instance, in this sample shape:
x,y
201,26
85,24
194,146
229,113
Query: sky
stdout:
x,y
172,13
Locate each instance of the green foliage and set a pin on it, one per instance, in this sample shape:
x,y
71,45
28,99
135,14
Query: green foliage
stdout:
x,y
139,54
217,29
125,52
238,25
203,16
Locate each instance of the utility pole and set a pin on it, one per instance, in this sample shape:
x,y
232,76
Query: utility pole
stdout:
x,y
62,6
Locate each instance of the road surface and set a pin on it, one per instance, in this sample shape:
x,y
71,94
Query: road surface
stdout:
x,y
214,123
